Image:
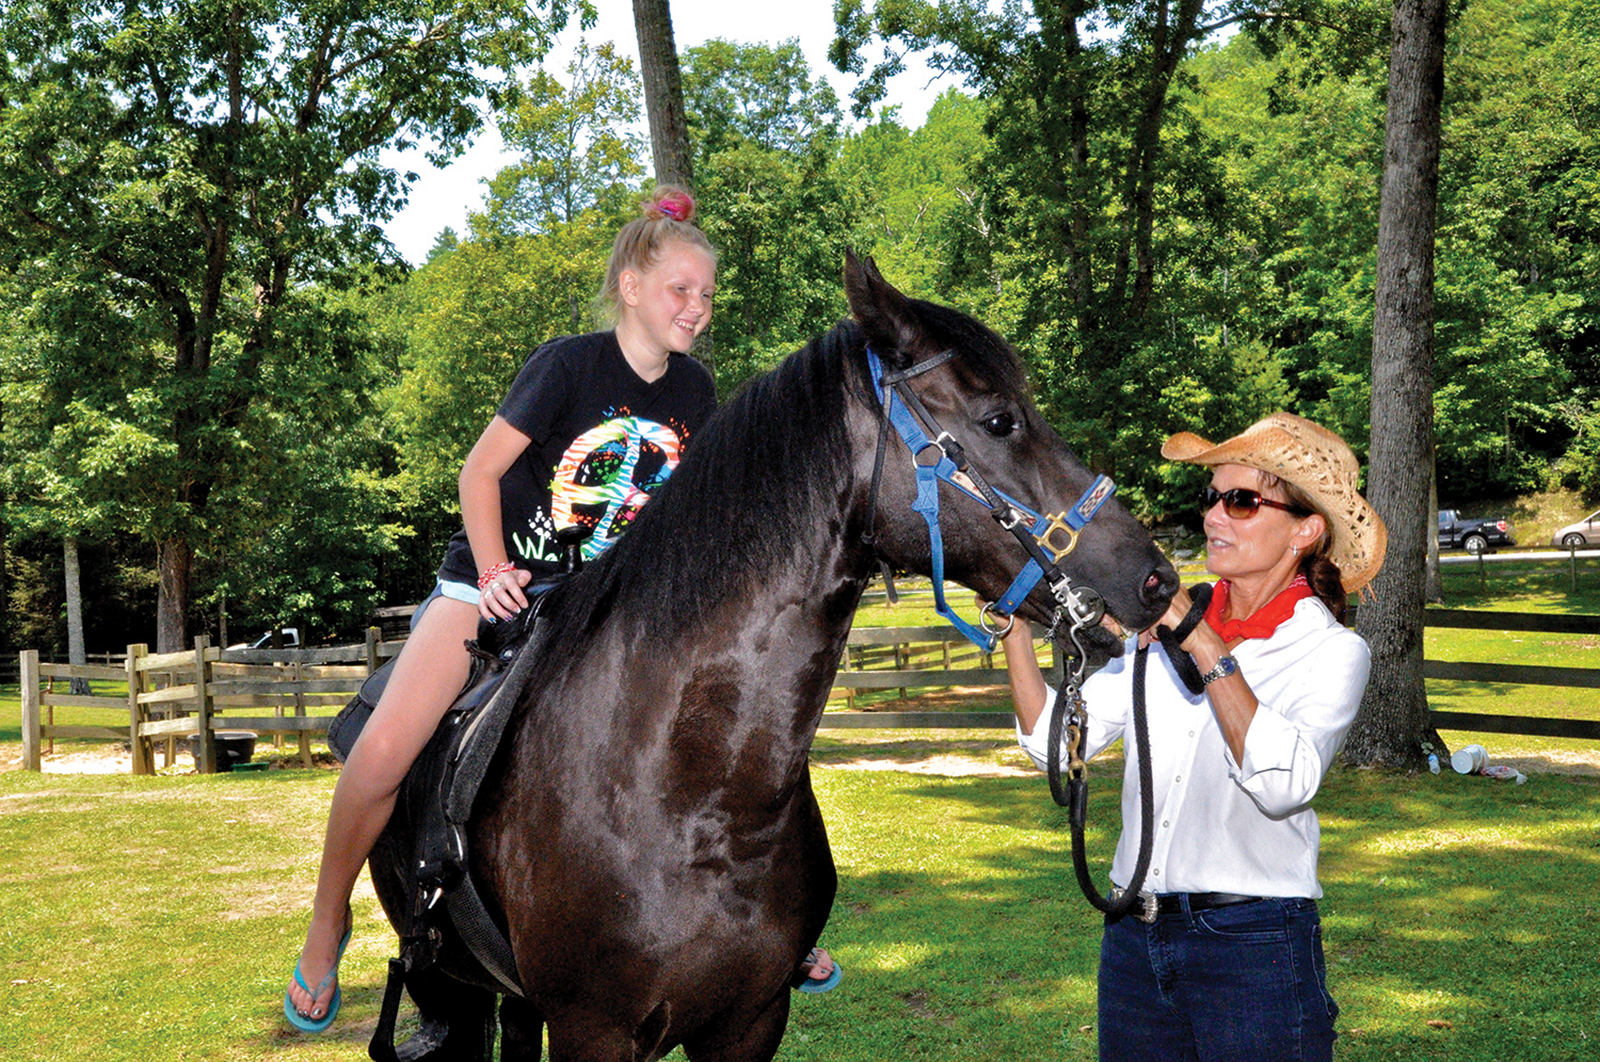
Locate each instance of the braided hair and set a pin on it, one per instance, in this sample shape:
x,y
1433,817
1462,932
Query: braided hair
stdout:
x,y
1316,564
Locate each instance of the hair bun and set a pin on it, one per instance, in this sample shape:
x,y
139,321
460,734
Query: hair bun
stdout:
x,y
672,203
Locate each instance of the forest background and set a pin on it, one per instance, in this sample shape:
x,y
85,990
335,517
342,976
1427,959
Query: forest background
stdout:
x,y
290,448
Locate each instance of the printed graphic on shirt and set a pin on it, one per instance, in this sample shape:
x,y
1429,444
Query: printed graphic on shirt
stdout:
x,y
607,475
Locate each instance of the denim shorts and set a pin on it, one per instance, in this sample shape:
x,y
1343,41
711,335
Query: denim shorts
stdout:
x,y
454,591
1242,983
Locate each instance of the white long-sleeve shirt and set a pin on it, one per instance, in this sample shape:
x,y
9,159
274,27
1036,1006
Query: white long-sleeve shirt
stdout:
x,y
1222,826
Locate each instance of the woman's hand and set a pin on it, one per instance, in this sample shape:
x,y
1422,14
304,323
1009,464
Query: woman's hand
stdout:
x,y
1202,642
1177,610
503,597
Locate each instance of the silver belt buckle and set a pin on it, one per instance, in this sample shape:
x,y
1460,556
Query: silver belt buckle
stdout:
x,y
1146,909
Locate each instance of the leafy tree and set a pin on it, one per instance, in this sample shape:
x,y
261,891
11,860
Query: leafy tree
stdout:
x,y
575,141
771,201
756,93
203,164
924,216
1519,243
1303,156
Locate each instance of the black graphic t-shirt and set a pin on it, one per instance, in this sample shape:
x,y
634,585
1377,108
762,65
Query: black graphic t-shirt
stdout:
x,y
602,440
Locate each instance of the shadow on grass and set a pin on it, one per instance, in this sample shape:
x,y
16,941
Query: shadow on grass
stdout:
x,y
1458,915
159,918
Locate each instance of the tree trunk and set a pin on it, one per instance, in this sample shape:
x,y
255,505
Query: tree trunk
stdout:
x,y
76,655
663,93
1394,712
174,558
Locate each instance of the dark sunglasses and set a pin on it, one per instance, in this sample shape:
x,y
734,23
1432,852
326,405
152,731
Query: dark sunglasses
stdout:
x,y
1241,503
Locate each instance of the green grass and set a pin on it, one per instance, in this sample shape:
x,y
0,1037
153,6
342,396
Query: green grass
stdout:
x,y
158,918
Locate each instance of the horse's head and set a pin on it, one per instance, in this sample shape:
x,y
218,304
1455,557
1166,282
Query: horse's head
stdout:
x,y
978,397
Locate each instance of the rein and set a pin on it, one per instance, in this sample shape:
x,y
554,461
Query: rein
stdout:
x,y
1077,607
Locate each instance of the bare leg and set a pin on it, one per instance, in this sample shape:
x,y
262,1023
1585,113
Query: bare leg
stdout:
x,y
429,673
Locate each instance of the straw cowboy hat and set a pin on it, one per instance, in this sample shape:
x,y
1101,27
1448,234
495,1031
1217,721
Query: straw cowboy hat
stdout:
x,y
1320,464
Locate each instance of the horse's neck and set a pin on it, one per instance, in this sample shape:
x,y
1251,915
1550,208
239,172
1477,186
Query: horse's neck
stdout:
x,y
727,709
785,640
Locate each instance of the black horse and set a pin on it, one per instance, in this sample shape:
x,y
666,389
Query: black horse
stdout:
x,y
648,830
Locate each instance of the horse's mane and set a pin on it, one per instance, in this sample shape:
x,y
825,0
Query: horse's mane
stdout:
x,y
755,481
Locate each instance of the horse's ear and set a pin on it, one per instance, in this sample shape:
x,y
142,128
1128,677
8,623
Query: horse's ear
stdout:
x,y
884,314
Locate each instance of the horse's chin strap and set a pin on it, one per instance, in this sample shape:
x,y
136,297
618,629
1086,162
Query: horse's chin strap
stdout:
x,y
1047,540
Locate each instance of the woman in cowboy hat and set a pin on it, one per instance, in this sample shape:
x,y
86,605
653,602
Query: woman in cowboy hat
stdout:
x,y
1231,967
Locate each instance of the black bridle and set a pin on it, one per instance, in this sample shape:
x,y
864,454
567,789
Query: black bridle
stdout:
x,y
1077,607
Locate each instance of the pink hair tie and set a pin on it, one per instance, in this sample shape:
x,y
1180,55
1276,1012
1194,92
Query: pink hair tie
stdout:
x,y
677,206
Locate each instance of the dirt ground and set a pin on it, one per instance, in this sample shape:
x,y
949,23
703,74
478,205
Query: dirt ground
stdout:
x,y
960,753
887,757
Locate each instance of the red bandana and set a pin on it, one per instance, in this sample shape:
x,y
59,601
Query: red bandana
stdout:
x,y
1264,621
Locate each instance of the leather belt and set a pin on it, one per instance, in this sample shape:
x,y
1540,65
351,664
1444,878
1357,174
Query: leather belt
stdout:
x,y
1150,907
1172,903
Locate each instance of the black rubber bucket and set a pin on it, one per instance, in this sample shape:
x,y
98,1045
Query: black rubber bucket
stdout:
x,y
233,747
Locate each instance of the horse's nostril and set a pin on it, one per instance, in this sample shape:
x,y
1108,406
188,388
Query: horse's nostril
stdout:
x,y
1159,586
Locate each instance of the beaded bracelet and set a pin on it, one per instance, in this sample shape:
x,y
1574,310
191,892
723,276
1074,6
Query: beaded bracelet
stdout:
x,y
494,571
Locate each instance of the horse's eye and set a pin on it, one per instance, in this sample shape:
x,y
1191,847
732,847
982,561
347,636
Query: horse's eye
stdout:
x,y
1000,424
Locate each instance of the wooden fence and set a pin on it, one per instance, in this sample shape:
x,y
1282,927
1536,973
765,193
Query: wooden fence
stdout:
x,y
1458,619
195,693
176,695
1516,674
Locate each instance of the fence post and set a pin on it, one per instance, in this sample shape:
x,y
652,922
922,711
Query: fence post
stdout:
x,y
849,691
144,752
205,741
300,711
1572,552
29,675
373,634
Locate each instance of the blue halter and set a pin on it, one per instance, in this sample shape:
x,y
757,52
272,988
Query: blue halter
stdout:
x,y
1036,533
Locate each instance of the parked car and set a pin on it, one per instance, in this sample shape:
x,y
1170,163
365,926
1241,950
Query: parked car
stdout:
x,y
291,640
1585,532
1474,536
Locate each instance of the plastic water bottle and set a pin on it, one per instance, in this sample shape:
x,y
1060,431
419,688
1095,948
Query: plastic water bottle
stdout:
x,y
1433,762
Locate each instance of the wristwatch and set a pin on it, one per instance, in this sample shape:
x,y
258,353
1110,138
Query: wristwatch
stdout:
x,y
1226,665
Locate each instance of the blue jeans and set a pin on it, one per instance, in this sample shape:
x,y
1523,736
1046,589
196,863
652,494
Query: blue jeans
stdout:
x,y
1240,983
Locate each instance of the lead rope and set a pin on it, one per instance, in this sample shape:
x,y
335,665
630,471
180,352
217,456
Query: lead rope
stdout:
x,y
1071,716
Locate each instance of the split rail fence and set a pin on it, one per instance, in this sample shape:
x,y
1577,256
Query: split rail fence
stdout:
x,y
905,638
195,693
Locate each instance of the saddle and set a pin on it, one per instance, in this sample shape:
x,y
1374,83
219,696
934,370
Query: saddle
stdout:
x,y
429,825
436,799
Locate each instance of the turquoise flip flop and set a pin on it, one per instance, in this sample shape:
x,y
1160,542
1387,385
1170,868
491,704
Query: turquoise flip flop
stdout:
x,y
310,1025
813,985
